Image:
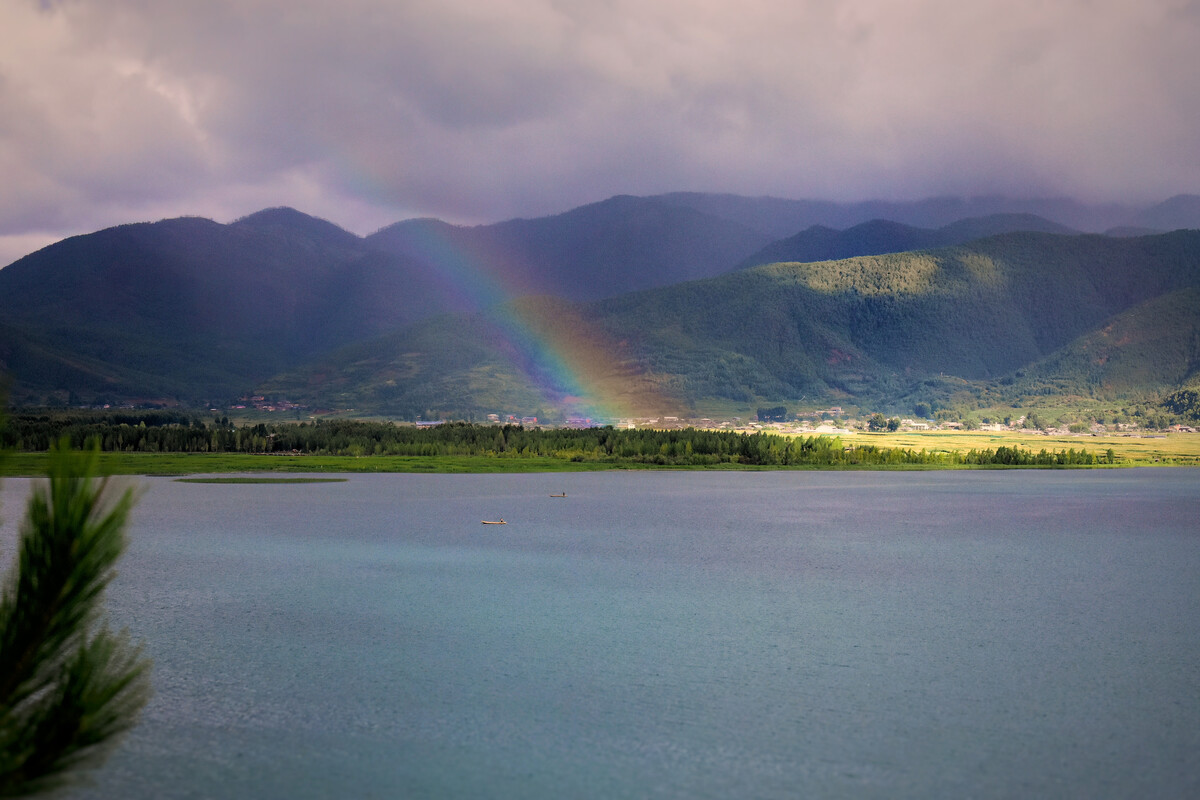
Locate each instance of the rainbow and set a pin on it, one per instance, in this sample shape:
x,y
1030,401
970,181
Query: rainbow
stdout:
x,y
573,364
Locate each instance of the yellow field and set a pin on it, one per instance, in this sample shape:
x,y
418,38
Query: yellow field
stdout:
x,y
1142,448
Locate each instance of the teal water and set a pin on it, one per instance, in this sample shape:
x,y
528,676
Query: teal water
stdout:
x,y
666,635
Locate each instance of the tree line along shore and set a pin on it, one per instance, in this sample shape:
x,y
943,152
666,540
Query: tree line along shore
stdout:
x,y
179,433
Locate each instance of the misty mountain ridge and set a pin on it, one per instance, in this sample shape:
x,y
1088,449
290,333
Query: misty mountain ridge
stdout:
x,y
621,244
781,218
879,236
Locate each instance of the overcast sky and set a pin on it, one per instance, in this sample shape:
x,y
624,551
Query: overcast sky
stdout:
x,y
366,112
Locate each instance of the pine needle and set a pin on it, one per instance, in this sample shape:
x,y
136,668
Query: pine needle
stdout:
x,y
68,686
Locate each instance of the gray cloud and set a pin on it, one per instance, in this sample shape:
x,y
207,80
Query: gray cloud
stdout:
x,y
368,111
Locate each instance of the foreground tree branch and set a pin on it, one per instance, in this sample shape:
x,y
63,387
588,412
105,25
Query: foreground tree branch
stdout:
x,y
68,686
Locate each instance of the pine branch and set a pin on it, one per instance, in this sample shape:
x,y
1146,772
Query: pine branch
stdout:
x,y
67,688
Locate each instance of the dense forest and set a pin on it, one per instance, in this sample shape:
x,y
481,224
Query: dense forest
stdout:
x,y
173,432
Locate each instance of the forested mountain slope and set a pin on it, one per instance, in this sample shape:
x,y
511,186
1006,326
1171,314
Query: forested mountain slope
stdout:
x,y
193,311
866,329
863,325
201,307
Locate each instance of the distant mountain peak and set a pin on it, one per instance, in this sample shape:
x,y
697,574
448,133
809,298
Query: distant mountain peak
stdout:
x,y
276,215
289,219
992,224
415,223
1180,211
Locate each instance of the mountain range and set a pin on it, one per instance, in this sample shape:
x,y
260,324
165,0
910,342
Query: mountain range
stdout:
x,y
634,305
821,243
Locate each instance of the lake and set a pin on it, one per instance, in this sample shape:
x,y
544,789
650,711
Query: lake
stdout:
x,y
665,635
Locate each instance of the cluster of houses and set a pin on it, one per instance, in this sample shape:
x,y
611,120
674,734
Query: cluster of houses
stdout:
x,y
830,421
261,403
512,419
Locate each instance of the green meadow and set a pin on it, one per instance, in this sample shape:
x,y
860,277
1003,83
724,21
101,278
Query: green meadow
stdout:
x,y
1143,449
1175,449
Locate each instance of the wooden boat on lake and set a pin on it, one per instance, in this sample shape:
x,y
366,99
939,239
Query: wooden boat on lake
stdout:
x,y
493,521
560,494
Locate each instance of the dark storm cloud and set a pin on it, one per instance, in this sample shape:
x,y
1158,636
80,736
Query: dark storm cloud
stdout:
x,y
368,111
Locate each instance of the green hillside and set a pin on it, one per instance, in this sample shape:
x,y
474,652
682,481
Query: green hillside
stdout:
x,y
449,365
1154,344
860,326
470,365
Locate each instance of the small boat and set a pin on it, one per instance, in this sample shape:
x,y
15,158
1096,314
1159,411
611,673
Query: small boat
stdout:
x,y
493,521
560,494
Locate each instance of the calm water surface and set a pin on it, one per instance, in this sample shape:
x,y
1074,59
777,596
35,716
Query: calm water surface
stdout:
x,y
665,635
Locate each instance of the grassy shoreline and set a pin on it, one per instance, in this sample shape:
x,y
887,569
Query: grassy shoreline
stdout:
x,y
1174,449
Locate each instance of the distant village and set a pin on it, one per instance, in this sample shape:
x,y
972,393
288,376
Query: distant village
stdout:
x,y
830,421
